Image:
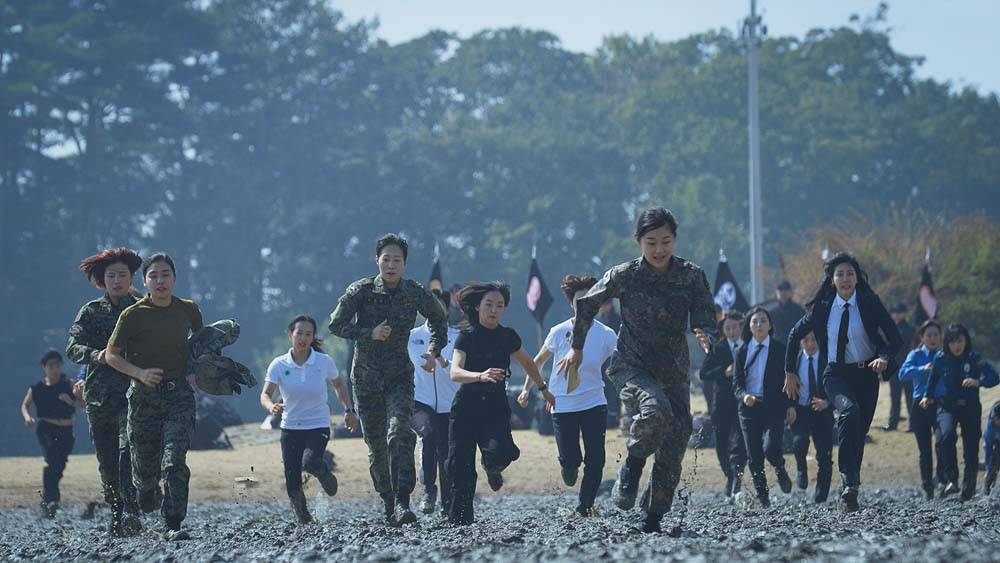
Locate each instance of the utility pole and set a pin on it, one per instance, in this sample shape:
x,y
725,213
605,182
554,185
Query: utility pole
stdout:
x,y
753,33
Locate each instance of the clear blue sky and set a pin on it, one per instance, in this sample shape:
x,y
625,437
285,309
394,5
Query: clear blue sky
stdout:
x,y
959,38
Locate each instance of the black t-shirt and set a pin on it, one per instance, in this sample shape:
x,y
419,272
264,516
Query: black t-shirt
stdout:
x,y
488,348
47,402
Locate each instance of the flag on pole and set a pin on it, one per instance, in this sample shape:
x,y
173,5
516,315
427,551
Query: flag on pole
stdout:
x,y
927,303
538,297
436,282
727,292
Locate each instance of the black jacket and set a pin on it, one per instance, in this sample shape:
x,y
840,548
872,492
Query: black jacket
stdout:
x,y
713,369
882,331
820,366
774,376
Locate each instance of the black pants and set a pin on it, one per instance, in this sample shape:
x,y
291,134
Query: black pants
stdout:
x,y
730,446
432,428
568,427
818,425
968,415
899,391
853,392
923,422
614,404
763,430
992,463
708,389
478,418
57,443
302,450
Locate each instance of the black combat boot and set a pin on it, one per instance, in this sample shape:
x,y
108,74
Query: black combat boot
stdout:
x,y
627,484
402,510
428,502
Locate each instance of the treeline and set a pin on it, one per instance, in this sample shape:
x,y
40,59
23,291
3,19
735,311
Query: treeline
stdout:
x,y
266,144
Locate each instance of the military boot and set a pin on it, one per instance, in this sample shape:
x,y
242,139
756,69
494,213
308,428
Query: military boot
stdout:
x,y
626,486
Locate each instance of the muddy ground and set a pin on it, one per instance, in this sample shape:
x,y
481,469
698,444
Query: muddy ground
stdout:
x,y
530,519
894,524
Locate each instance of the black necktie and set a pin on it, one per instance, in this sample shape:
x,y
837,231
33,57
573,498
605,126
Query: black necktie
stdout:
x,y
813,385
845,321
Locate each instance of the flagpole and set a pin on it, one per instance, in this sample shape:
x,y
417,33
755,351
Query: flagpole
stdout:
x,y
752,34
538,324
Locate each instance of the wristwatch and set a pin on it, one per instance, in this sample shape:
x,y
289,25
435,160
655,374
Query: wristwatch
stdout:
x,y
350,411
543,387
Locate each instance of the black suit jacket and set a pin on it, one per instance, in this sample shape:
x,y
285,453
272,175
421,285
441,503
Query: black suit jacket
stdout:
x,y
713,369
774,376
881,330
820,366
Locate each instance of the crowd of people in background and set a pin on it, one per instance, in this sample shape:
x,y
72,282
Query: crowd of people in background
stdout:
x,y
812,371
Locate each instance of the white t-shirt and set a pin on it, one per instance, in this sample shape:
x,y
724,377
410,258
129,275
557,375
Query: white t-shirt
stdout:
x,y
600,344
435,390
303,389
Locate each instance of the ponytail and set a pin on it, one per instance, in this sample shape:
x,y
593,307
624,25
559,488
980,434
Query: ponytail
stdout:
x,y
317,343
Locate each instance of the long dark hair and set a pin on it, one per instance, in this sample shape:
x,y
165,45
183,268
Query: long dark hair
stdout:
x,y
954,331
747,335
470,296
826,288
317,343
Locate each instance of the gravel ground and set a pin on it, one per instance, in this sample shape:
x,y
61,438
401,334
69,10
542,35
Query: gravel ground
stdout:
x,y
894,524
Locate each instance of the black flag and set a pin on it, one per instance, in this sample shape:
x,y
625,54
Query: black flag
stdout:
x,y
538,296
727,292
436,282
927,303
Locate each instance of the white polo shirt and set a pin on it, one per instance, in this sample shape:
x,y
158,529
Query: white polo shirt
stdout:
x,y
303,389
435,390
600,344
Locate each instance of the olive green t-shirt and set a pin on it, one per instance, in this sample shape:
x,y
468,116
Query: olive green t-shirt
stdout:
x,y
156,337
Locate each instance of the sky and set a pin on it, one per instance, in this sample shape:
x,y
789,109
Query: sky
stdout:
x,y
959,38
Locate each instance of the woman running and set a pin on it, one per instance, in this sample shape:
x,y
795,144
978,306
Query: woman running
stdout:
x,y
480,414
301,377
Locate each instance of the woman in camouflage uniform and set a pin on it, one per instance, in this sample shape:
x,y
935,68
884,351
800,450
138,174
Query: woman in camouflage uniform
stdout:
x,y
659,292
103,388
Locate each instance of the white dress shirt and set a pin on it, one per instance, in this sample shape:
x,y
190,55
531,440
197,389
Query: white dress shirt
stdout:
x,y
755,375
804,375
859,346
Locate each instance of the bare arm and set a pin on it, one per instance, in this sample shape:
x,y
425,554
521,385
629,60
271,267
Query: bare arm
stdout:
x,y
350,417
461,375
340,388
265,397
150,377
29,420
531,369
543,356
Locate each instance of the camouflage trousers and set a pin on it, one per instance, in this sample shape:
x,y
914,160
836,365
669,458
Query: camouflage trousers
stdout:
x,y
384,402
160,425
661,426
109,432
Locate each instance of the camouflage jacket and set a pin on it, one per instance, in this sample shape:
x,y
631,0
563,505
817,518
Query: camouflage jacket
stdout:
x,y
367,302
87,337
656,308
214,373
